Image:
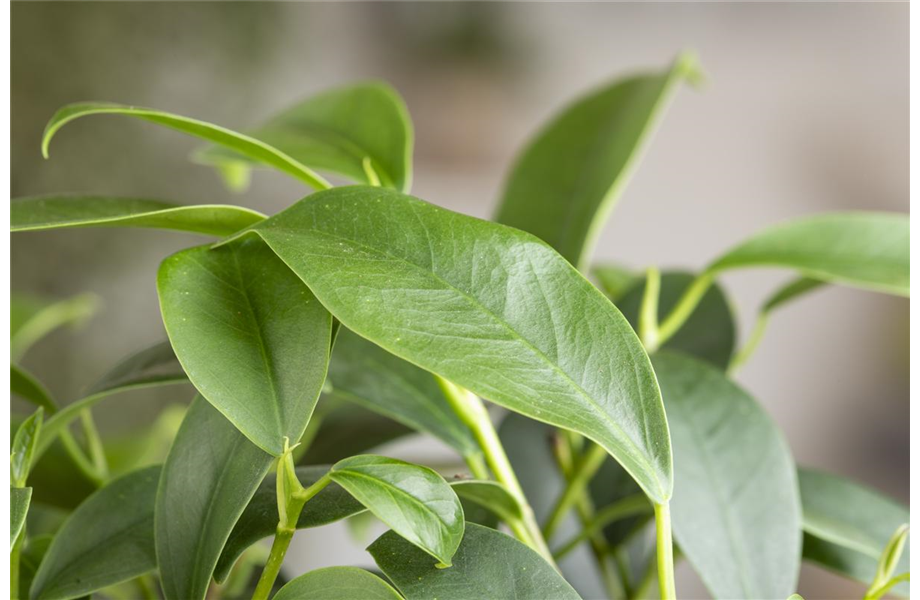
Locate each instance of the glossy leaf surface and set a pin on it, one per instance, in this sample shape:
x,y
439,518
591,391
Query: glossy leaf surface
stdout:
x,y
337,583
27,387
20,497
735,509
488,564
59,212
23,447
210,475
108,539
482,305
250,336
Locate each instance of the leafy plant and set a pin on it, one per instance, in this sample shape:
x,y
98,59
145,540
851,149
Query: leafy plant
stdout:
x,y
360,314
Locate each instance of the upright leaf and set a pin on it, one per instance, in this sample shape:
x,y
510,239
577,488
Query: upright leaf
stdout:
x,y
210,475
32,318
488,564
412,500
250,336
735,510
19,508
337,583
570,176
361,131
27,387
487,307
106,540
23,447
59,212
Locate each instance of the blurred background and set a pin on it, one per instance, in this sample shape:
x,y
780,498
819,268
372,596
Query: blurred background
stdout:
x,y
805,109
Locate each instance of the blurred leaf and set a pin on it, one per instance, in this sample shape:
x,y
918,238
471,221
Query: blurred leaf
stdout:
x,y
488,564
491,495
792,290
30,558
350,429
58,212
23,447
337,130
108,539
145,446
568,179
19,508
614,280
250,336
32,318
337,583
27,387
210,475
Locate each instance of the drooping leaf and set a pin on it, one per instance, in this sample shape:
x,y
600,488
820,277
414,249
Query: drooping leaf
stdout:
x,y
491,495
348,429
19,508
32,318
23,447
108,539
210,475
348,131
488,564
734,482
59,212
483,306
568,179
709,333
250,147
337,583
27,387
414,501
847,526
868,250
368,375
250,335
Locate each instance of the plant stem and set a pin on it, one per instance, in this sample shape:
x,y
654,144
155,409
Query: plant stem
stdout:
x,y
473,413
880,592
145,584
578,480
477,466
94,443
683,309
745,353
79,458
648,312
665,552
624,508
14,565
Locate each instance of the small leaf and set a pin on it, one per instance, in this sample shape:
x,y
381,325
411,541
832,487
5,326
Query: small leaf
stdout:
x,y
252,148
250,336
735,509
210,475
862,249
32,318
337,131
490,495
569,177
412,500
337,583
23,447
368,375
428,295
488,564
27,387
888,562
19,508
106,540
59,212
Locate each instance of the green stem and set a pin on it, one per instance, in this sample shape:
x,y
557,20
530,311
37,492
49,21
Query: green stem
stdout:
x,y
745,353
880,592
624,508
79,458
473,413
581,476
648,312
665,552
145,584
94,443
683,309
14,565
477,466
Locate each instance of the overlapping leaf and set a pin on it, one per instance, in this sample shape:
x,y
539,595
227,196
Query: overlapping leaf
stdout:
x,y
20,497
338,583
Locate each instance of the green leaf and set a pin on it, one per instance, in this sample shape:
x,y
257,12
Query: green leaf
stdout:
x,y
337,131
338,583
249,147
250,336
792,290
19,508
27,387
861,249
709,333
482,305
414,501
32,318
735,510
847,525
30,558
210,475
59,212
369,376
349,429
888,562
488,564
491,495
106,540
23,447
260,519
567,181
615,281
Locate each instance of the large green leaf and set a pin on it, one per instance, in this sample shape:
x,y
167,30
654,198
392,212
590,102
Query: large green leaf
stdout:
x,y
210,475
488,564
487,307
33,317
250,147
735,510
27,387
364,373
709,333
862,249
108,539
58,212
349,131
847,525
414,501
250,336
19,508
570,176
337,583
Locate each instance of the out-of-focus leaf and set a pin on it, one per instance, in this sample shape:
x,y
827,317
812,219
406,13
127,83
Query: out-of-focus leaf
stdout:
x,y
349,429
491,495
19,509
337,583
615,281
32,318
27,387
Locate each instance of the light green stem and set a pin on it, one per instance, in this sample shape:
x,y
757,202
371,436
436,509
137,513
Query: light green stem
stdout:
x,y
665,552
648,312
15,554
477,466
745,353
624,508
880,592
683,309
473,413
581,476
94,443
76,454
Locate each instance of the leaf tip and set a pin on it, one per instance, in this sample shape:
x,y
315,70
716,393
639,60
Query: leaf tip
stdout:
x,y
688,66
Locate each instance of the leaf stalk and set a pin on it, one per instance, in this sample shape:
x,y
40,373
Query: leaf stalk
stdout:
x,y
665,552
